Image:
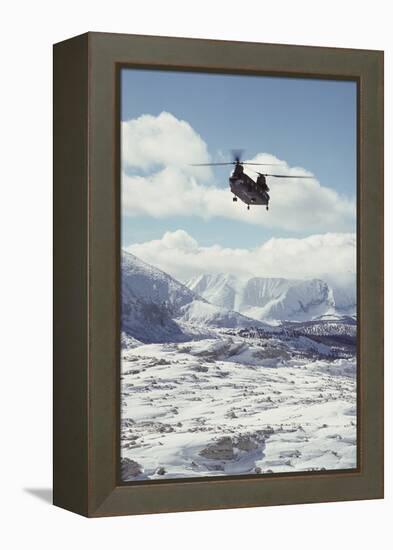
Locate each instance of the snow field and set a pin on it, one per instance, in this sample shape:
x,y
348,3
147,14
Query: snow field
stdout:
x,y
230,405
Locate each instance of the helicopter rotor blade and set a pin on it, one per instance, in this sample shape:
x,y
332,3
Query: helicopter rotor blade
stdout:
x,y
233,163
283,176
261,163
213,164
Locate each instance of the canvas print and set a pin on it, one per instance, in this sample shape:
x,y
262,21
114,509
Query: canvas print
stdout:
x,y
238,275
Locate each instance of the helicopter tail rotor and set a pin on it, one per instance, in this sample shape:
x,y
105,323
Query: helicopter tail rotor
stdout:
x,y
285,176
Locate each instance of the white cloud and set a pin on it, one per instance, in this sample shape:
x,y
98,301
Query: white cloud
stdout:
x,y
331,256
163,148
151,143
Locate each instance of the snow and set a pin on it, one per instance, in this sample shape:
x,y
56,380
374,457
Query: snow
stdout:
x,y
209,391
275,299
198,312
157,308
233,405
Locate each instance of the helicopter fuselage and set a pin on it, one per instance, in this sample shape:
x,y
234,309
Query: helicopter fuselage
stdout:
x,y
247,190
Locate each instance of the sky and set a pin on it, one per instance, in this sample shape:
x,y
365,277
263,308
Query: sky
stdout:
x,y
173,119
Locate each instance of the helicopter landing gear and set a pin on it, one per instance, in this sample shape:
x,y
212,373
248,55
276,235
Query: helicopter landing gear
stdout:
x,y
234,199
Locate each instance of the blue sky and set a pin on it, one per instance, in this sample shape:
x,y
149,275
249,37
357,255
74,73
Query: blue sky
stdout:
x,y
308,123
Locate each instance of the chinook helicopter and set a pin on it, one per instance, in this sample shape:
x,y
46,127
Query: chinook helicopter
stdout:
x,y
245,188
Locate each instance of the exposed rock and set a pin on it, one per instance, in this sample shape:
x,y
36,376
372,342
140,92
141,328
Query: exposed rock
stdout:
x,y
130,468
246,443
219,450
201,368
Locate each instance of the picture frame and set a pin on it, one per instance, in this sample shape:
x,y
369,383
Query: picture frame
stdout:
x,y
86,383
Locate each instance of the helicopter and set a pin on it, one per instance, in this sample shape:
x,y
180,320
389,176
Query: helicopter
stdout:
x,y
245,188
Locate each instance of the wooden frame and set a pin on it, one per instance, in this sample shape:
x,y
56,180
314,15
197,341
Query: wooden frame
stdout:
x,y
86,274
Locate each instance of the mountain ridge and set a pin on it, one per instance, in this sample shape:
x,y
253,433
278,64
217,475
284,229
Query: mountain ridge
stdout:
x,y
158,308
273,299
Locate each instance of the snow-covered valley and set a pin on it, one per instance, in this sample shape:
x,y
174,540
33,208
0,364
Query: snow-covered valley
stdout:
x,y
208,391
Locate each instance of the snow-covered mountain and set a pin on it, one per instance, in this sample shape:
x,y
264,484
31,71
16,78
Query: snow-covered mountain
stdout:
x,y
275,299
157,308
231,395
